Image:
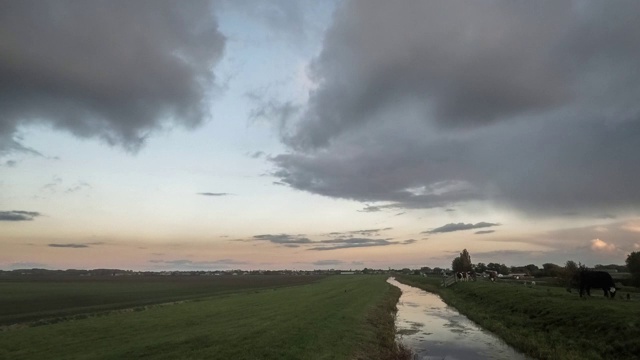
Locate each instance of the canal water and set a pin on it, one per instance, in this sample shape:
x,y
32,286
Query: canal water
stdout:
x,y
434,330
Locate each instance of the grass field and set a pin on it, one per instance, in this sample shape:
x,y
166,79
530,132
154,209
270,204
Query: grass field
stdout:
x,y
51,298
339,317
546,322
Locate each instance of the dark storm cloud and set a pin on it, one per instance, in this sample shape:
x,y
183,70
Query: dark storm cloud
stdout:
x,y
113,70
482,232
17,215
459,227
282,239
530,105
213,194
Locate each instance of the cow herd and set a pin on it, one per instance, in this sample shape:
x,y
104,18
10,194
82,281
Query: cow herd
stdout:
x,y
465,276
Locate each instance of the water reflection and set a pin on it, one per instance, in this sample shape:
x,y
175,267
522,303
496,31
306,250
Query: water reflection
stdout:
x,y
434,330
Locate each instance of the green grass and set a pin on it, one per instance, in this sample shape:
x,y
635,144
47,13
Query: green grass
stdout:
x,y
37,299
546,322
340,317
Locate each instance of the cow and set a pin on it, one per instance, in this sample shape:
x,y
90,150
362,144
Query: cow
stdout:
x,y
587,279
492,275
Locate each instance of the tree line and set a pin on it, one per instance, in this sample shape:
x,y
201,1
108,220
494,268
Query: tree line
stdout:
x,y
462,263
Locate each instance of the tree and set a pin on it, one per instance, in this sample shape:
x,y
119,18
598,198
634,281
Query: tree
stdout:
x,y
504,269
493,267
465,259
552,270
481,267
532,269
633,264
456,265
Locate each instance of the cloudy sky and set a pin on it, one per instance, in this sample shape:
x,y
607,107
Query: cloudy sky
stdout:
x,y
303,134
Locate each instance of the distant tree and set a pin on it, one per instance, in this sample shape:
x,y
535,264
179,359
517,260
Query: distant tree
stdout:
x,y
552,270
465,259
437,270
633,265
493,267
481,267
532,269
504,269
456,265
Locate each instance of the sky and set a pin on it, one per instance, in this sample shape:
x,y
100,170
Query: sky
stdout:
x,y
282,134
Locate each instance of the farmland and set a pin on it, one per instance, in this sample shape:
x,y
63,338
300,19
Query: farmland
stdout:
x,y
49,298
338,317
546,322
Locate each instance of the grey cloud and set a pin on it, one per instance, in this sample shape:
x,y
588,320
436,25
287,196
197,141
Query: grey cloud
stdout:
x,y
213,194
257,154
18,215
282,239
77,187
436,104
10,163
73,246
116,71
327,262
28,265
357,263
77,245
370,208
196,264
459,227
363,232
409,242
346,243
484,232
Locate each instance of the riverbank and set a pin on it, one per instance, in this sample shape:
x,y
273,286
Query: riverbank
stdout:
x,y
545,322
381,321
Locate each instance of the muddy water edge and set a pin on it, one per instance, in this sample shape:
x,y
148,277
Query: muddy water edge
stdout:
x,y
434,330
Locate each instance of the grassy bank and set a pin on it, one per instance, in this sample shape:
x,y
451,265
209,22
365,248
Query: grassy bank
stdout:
x,y
340,317
546,322
27,299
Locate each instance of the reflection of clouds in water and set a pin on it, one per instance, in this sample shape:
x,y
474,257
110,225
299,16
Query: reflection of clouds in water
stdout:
x,y
434,330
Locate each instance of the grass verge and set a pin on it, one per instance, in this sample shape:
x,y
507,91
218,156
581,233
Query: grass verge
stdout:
x,y
545,322
339,317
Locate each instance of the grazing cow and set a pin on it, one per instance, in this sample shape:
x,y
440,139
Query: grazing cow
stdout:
x,y
493,275
596,279
458,276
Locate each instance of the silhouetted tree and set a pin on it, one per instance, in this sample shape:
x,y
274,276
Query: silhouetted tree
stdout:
x,y
465,259
481,267
456,265
633,264
552,270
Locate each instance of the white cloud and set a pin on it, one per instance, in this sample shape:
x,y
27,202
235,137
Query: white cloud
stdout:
x,y
600,245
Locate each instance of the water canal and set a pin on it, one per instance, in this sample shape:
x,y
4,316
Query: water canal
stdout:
x,y
434,330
